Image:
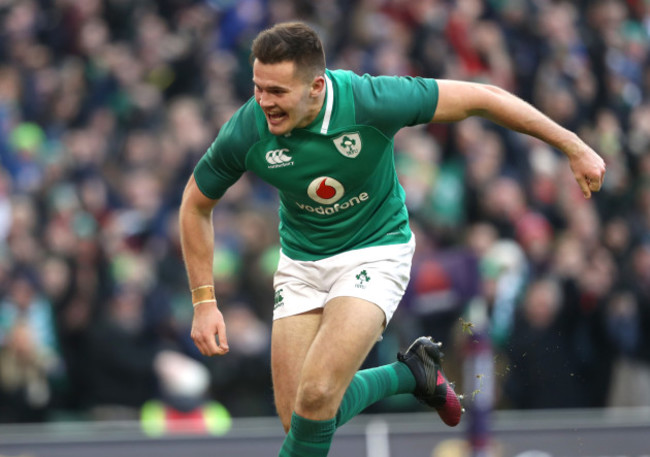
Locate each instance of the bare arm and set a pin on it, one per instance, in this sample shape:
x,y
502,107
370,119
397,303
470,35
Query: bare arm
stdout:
x,y
459,100
197,241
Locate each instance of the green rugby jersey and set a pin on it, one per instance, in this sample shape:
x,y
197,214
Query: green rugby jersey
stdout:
x,y
336,178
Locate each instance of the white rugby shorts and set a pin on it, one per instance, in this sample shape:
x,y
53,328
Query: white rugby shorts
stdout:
x,y
378,274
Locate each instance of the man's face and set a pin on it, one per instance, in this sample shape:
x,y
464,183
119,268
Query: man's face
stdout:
x,y
286,99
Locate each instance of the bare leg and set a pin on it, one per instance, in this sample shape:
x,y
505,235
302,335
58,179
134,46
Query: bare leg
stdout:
x,y
292,337
348,330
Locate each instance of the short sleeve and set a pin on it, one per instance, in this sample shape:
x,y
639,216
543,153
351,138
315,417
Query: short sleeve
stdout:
x,y
392,102
225,160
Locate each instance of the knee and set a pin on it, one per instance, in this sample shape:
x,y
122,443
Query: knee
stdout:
x,y
317,396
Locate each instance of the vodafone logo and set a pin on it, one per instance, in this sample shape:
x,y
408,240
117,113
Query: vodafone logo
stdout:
x,y
325,190
328,191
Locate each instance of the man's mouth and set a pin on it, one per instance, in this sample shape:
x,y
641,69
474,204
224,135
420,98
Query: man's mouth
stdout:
x,y
276,117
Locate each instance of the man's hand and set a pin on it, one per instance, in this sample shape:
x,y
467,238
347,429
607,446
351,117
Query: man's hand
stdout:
x,y
207,326
588,169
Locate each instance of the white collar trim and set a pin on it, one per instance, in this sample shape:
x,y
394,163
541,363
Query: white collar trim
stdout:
x,y
329,104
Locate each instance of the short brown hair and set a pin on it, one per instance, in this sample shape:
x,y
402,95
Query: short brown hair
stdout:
x,y
291,41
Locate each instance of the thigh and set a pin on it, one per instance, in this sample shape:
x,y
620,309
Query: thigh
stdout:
x,y
291,338
349,328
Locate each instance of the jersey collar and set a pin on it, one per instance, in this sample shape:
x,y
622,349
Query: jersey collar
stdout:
x,y
329,104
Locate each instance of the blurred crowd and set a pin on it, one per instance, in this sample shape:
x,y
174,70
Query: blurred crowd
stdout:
x,y
107,105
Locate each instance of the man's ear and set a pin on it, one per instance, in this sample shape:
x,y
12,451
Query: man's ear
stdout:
x,y
317,86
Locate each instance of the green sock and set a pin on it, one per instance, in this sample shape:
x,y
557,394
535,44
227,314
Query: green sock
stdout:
x,y
371,385
308,438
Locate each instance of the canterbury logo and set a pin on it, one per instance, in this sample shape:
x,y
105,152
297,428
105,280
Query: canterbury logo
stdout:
x,y
278,158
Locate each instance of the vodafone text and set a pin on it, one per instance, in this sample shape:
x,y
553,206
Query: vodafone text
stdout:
x,y
328,210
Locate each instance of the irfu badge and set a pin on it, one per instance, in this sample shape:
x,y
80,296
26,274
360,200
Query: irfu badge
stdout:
x,y
348,144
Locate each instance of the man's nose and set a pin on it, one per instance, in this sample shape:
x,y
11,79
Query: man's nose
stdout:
x,y
264,100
